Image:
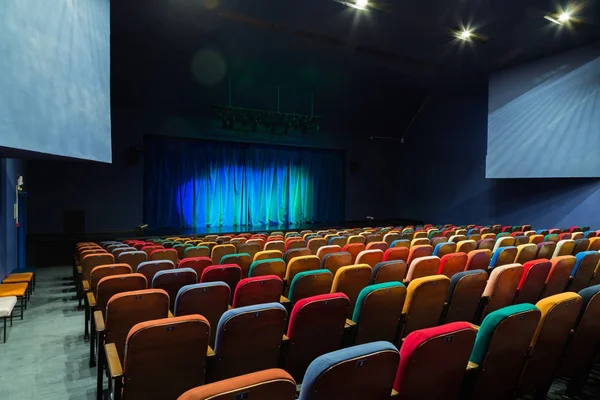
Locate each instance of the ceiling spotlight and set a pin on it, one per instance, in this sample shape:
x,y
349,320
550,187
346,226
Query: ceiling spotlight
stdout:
x,y
465,35
561,17
564,17
362,3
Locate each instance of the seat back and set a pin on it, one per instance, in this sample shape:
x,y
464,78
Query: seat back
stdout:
x,y
257,290
488,244
444,248
425,299
583,271
581,245
405,243
365,371
248,339
505,241
298,252
418,252
125,310
526,253
423,266
390,237
316,327
110,285
310,283
198,264
164,254
338,241
209,299
315,243
351,280
532,281
278,245
423,241
388,271
242,260
270,266
396,253
500,350
503,256
172,280
150,268
559,314
564,248
383,246
196,251
466,246
324,250
231,274
464,295
378,312
457,238
558,277
107,270
546,249
250,248
502,286
302,264
453,263
270,384
478,259
594,244
165,357
369,257
354,249
90,261
433,362
132,258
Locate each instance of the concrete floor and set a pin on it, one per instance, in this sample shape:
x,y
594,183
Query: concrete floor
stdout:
x,y
45,356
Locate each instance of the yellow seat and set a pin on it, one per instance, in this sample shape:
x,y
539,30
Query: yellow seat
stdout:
x,y
18,278
13,289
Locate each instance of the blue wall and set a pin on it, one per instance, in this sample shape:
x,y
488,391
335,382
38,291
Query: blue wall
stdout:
x,y
10,169
446,147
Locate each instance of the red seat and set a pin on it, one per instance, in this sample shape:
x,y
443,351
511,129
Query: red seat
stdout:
x,y
258,290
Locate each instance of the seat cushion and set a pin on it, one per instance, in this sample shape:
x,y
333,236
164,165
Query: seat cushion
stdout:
x,y
13,289
6,305
17,278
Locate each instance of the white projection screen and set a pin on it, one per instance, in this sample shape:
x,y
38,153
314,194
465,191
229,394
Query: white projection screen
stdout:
x,y
55,77
544,118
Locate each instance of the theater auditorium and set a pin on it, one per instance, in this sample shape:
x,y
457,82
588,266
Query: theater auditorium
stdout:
x,y
314,200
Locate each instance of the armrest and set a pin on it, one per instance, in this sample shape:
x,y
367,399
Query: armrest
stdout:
x,y
91,299
283,300
210,352
170,315
86,286
285,339
229,307
99,321
349,324
474,326
394,394
112,361
472,366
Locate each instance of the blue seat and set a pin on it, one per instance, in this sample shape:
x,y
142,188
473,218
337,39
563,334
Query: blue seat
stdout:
x,y
439,246
399,241
366,371
583,270
503,255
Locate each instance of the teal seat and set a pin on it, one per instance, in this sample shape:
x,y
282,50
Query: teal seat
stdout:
x,y
310,283
271,266
378,312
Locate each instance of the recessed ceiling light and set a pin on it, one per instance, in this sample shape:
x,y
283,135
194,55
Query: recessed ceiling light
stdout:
x,y
362,3
468,34
561,17
564,17
465,35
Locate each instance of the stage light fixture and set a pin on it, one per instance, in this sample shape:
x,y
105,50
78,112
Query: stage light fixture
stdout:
x,y
362,3
465,35
564,17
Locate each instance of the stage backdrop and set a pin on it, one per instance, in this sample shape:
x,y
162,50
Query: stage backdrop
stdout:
x,y
194,183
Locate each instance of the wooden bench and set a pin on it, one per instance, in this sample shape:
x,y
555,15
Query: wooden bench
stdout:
x,y
6,308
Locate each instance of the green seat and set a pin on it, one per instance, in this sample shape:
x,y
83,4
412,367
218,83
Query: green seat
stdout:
x,y
271,266
310,283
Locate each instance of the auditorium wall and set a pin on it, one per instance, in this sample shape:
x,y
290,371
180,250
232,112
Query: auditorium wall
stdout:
x,y
10,169
452,187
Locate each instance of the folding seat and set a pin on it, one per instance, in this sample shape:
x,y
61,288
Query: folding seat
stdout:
x,y
248,339
315,243
546,249
359,372
316,327
271,266
278,245
559,314
257,290
516,233
581,245
270,384
310,283
503,256
585,264
168,244
356,239
551,237
505,241
564,236
91,261
198,264
150,268
486,244
419,251
407,235
432,233
369,257
338,241
237,241
172,280
457,238
383,246
258,241
564,248
576,236
501,287
500,352
594,244
473,230
419,242
529,233
351,280
250,248
521,240
323,251
526,253
304,263
433,362
477,237
442,249
464,295
163,358
389,271
292,253
532,281
558,277
396,253
589,234
378,312
123,312
180,248
242,260
420,235
425,299
401,243
437,240
423,266
164,254
196,251
479,259
115,252
373,238
390,237
452,263
295,243
466,246
267,255
231,274
584,345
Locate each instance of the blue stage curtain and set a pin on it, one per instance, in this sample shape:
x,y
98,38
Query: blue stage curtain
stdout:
x,y
194,183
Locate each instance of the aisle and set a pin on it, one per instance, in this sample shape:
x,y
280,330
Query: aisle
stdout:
x,y
45,356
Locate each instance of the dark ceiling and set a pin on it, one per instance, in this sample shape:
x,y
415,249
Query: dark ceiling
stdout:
x,y
185,51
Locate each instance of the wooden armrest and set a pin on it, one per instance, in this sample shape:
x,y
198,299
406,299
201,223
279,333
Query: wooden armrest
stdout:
x,y
79,269
283,300
112,360
229,307
99,320
285,338
86,286
210,352
170,315
91,299
474,326
394,394
349,323
472,366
